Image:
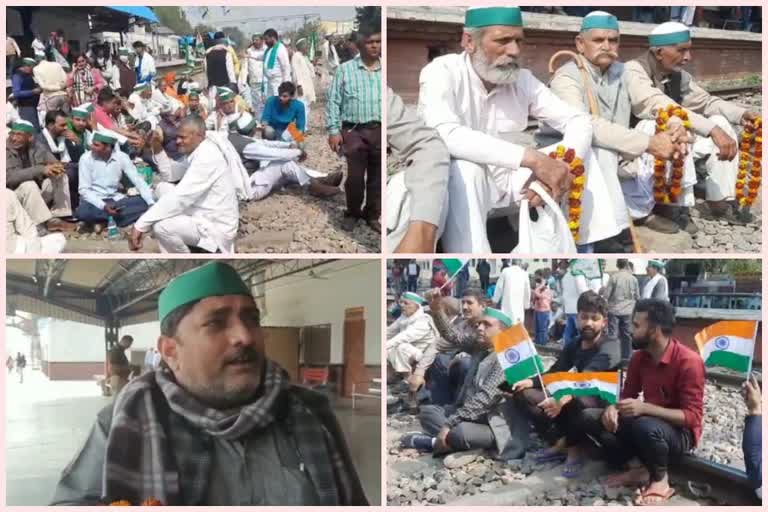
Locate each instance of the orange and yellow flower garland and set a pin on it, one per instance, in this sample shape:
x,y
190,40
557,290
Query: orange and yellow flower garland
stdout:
x,y
664,192
577,186
149,502
750,165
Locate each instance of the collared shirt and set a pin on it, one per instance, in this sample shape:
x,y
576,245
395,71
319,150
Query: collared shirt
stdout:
x,y
354,95
145,68
454,336
675,382
103,118
621,293
573,287
99,179
480,391
279,118
255,64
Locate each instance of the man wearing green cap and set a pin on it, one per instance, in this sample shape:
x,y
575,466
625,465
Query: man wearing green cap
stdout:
x,y
37,178
409,335
142,107
478,418
26,91
656,287
218,423
227,110
594,83
477,101
659,79
100,172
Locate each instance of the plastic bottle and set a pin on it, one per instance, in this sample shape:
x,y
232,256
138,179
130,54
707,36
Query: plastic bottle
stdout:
x,y
112,232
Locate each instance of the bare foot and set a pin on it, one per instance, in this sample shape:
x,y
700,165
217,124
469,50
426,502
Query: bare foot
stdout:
x,y
654,493
633,476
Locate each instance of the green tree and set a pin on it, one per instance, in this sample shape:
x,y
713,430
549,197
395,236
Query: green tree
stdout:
x,y
368,18
175,19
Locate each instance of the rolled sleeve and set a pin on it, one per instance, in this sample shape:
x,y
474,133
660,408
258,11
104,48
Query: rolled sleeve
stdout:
x,y
692,392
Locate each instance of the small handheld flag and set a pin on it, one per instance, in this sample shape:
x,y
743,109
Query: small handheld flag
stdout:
x,y
728,344
517,355
604,385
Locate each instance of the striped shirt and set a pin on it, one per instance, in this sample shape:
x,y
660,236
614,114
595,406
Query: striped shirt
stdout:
x,y
354,96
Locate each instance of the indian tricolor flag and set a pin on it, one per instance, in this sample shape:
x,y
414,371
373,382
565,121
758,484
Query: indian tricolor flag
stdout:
x,y
453,265
728,344
517,355
601,384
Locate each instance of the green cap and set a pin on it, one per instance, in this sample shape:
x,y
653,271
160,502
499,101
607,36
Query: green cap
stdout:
x,y
225,93
140,87
194,93
26,61
498,315
106,138
123,51
478,17
81,113
213,279
670,33
23,126
599,20
656,263
413,297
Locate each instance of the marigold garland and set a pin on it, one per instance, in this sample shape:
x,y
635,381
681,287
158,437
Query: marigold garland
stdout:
x,y
750,163
576,166
149,502
664,192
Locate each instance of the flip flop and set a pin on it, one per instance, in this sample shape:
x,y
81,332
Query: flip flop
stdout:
x,y
639,501
573,469
547,455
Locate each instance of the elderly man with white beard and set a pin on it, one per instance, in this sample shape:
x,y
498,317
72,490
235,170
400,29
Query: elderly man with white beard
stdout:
x,y
477,101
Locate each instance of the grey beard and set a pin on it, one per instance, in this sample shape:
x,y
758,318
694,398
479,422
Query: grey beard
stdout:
x,y
491,73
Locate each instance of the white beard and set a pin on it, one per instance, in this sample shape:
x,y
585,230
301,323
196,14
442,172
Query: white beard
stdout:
x,y
491,73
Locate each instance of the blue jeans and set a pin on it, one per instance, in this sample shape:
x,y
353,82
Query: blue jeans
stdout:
x,y
542,324
443,380
571,329
131,208
585,249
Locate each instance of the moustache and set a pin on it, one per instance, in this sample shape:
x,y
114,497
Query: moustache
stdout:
x,y
613,55
244,356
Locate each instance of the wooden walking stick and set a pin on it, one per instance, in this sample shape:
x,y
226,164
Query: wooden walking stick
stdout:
x,y
595,111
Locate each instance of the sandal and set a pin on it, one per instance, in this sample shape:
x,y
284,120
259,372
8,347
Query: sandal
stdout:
x,y
573,469
548,455
639,500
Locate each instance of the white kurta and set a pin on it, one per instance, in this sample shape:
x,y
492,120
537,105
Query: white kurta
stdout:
x,y
304,75
147,68
479,128
638,191
573,287
407,339
278,167
218,121
144,110
204,198
280,72
255,65
513,290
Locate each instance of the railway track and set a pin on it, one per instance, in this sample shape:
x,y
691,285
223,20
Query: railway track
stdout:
x,y
728,93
